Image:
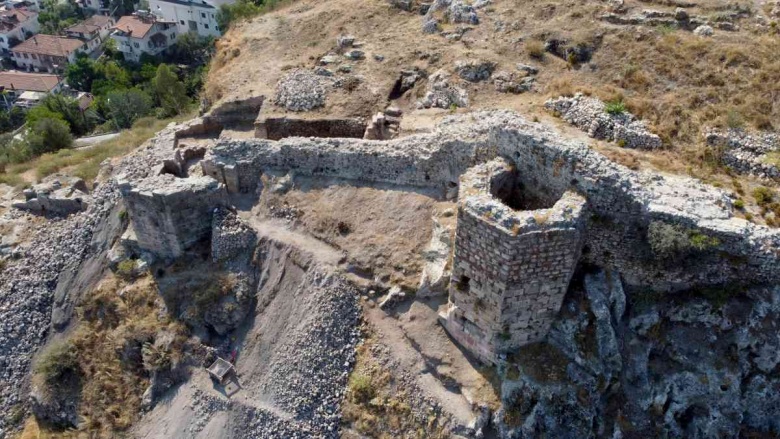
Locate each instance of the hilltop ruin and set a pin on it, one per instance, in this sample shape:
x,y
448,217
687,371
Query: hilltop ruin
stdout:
x,y
532,208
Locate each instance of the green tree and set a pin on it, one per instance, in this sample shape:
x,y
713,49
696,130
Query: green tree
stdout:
x,y
170,92
126,106
121,7
80,122
48,135
11,119
40,112
56,16
82,73
191,49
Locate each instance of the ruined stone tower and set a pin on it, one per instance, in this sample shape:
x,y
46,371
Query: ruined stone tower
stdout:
x,y
514,258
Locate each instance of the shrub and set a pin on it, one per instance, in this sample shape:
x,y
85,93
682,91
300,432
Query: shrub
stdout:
x,y
535,49
763,195
48,135
671,241
615,107
734,120
739,204
126,269
155,358
57,361
361,387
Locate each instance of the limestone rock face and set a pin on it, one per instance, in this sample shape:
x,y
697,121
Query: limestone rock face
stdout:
x,y
692,367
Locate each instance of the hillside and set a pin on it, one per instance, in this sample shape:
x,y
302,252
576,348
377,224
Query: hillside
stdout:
x,y
393,218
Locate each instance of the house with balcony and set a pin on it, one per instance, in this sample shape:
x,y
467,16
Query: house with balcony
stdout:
x,y
199,16
93,31
143,33
50,53
16,25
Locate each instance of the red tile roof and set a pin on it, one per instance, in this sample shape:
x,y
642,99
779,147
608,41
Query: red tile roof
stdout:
x,y
49,45
28,81
91,24
134,26
13,18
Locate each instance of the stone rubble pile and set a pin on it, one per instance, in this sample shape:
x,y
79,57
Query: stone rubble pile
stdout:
x,y
230,236
680,18
308,370
475,70
29,280
27,287
747,153
443,94
590,115
300,90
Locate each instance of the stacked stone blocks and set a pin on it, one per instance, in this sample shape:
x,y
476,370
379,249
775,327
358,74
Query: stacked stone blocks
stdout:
x,y
511,268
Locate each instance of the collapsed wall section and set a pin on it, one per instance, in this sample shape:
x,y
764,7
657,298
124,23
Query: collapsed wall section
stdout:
x,y
511,268
170,214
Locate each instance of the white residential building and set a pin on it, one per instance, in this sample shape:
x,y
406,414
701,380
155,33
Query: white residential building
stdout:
x,y
15,26
50,53
93,31
198,16
143,33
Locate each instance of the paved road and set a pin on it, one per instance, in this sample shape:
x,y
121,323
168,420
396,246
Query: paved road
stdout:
x,y
89,141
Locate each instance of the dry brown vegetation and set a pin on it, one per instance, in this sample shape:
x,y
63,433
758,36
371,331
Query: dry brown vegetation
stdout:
x,y
116,320
679,83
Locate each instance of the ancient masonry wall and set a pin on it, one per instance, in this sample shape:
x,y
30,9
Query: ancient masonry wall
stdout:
x,y
239,164
276,128
511,268
170,214
622,203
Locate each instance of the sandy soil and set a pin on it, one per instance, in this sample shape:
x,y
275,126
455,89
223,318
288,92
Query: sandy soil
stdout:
x,y
382,231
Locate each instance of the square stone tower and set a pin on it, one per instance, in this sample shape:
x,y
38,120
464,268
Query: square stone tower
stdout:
x,y
515,254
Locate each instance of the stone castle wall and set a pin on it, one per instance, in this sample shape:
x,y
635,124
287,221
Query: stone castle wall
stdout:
x,y
532,205
170,214
623,203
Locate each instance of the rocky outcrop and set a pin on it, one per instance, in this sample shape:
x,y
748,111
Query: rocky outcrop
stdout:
x,y
475,70
593,116
699,367
59,196
442,93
